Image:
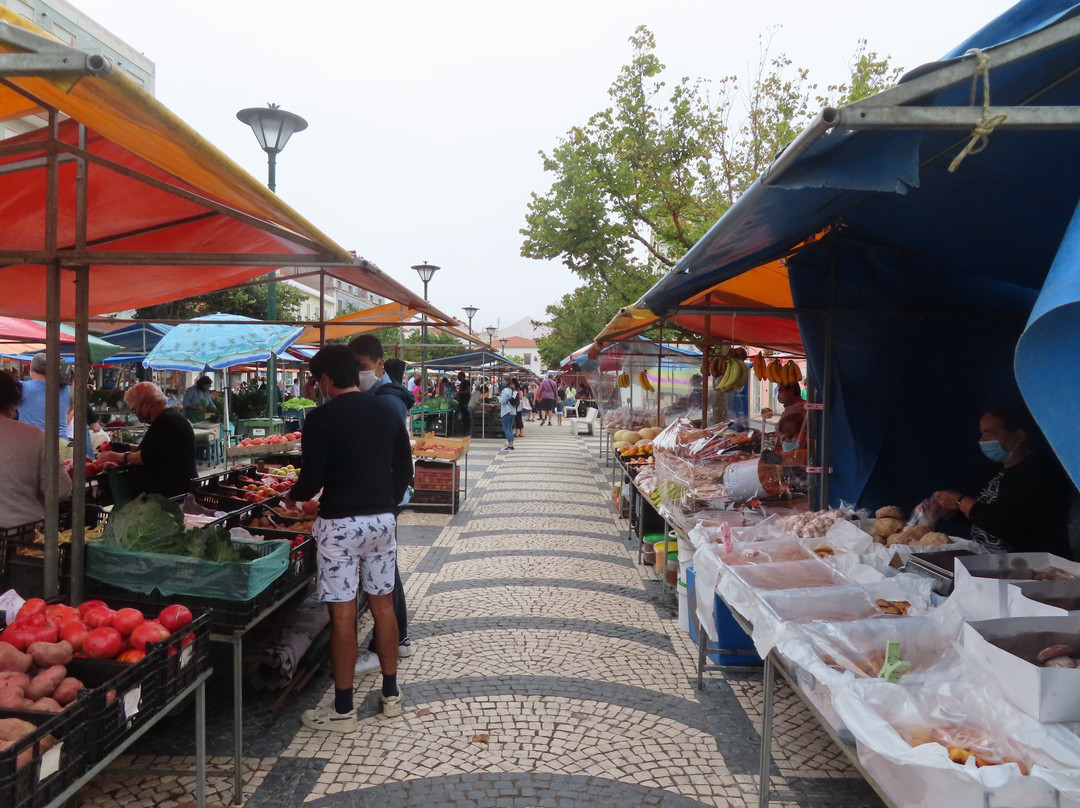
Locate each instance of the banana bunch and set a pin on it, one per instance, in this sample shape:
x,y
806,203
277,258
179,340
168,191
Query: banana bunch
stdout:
x,y
760,367
643,381
783,373
736,374
623,380
670,491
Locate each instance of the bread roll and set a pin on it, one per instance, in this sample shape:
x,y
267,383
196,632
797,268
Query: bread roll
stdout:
x,y
890,512
887,526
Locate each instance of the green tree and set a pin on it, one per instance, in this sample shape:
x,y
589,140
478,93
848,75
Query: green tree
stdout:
x,y
644,179
247,301
411,350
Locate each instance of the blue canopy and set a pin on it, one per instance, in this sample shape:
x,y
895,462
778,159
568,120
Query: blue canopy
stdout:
x,y
918,293
138,339
206,343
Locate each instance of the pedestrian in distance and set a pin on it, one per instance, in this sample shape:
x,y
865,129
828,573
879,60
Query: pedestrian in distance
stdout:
x,y
349,444
549,394
507,412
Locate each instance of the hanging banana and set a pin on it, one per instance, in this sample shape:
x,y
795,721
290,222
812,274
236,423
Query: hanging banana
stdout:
x,y
643,381
623,380
759,367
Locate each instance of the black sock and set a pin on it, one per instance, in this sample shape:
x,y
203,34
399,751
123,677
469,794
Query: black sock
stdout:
x,y
389,685
343,702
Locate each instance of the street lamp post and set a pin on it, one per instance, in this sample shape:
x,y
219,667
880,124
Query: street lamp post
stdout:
x,y
491,333
502,344
470,312
426,271
273,127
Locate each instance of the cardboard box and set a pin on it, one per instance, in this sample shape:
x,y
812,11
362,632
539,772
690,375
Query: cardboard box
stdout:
x,y
983,582
1003,647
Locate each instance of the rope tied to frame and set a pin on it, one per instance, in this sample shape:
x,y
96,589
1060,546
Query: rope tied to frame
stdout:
x,y
980,135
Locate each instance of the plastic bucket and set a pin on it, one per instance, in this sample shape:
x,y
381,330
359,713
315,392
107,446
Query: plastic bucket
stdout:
x,y
662,548
743,480
671,569
684,607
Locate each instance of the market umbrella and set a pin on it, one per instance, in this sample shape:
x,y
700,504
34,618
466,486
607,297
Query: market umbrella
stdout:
x,y
207,343
14,329
99,348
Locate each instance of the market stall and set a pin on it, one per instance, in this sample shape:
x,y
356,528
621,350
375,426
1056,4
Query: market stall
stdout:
x,y
900,236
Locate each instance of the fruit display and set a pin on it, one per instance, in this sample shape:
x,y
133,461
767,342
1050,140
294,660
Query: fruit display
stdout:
x,y
777,371
264,445
644,383
299,519
734,376
628,443
626,418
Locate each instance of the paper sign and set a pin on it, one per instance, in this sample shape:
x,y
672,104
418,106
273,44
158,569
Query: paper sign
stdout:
x,y
10,603
258,432
186,653
725,534
50,763
131,701
894,667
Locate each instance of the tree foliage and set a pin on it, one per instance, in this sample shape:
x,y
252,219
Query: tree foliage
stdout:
x,y
644,179
247,301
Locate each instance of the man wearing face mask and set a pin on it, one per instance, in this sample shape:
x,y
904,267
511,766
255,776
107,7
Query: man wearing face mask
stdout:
x,y
167,451
1022,505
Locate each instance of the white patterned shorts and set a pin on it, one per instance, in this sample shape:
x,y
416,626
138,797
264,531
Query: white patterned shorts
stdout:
x,y
355,552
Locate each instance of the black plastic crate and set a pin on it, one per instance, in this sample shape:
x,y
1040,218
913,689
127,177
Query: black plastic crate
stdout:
x,y
284,530
121,697
219,502
224,615
229,477
186,654
47,772
22,558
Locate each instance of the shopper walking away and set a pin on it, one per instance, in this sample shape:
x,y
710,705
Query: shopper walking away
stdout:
x,y
519,396
349,445
369,353
560,403
549,393
464,393
507,412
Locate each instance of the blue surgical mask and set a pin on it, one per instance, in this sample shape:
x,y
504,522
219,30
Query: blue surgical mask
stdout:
x,y
789,445
994,451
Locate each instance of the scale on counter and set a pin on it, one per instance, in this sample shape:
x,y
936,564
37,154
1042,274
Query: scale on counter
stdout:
x,y
937,566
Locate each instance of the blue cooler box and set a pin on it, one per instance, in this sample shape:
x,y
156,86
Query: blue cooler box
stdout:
x,y
728,631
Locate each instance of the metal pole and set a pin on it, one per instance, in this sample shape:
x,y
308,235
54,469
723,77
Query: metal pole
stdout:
x,y
82,363
705,375
271,309
827,382
51,582
423,366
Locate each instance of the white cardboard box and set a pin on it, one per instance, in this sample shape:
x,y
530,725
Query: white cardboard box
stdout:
x,y
1002,647
984,593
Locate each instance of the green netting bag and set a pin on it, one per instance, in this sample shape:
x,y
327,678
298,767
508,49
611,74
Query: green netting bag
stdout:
x,y
181,575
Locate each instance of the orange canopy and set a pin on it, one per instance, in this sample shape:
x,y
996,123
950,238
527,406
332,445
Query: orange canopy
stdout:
x,y
167,215
766,287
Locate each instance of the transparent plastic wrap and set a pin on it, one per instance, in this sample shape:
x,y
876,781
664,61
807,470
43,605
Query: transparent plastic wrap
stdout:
x,y
813,524
924,745
770,612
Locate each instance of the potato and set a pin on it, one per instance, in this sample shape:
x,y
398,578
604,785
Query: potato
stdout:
x,y
887,526
12,678
67,691
47,705
12,659
14,729
11,698
47,654
46,682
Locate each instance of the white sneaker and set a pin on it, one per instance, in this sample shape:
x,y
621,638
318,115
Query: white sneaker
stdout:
x,y
405,649
366,662
391,705
327,719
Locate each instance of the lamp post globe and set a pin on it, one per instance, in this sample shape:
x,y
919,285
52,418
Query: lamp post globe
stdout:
x,y
426,272
273,127
491,333
470,312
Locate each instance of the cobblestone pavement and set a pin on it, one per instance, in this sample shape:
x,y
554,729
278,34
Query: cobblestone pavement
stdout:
x,y
549,670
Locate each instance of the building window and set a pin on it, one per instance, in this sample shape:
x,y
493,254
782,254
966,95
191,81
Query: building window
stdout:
x,y
528,359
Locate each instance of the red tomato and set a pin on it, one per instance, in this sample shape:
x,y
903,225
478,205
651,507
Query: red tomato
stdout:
x,y
187,640
68,617
75,633
46,633
17,635
148,632
99,616
57,612
31,607
91,604
103,642
131,655
175,616
127,620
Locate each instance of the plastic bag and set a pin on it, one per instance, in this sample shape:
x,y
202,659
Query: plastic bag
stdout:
x,y
899,731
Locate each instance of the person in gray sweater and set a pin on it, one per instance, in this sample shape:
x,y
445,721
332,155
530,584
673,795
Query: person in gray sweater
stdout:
x,y
22,486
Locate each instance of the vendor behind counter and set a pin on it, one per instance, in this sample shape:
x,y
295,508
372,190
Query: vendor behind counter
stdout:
x,y
164,463
1023,503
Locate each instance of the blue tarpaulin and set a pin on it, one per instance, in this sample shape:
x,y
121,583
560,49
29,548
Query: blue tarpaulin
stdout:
x,y
927,277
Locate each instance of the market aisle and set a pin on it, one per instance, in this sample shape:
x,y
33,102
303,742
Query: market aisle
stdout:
x,y
547,671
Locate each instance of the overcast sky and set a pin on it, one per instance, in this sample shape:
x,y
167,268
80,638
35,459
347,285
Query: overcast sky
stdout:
x,y
425,118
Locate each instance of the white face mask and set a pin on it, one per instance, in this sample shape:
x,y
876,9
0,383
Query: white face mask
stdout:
x,y
367,378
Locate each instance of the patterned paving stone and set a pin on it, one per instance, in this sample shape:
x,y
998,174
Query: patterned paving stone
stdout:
x,y
655,639
569,566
